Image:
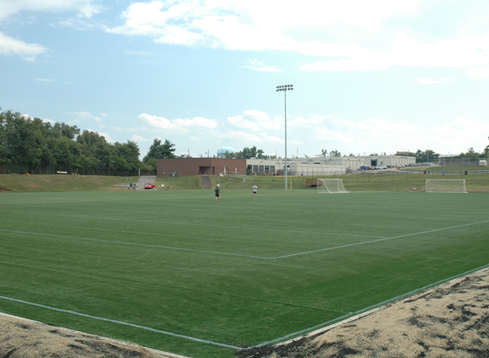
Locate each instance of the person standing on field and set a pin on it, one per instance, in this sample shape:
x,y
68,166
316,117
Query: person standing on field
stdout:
x,y
218,192
255,189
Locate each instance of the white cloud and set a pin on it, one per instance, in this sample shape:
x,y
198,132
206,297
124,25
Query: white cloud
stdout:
x,y
301,122
462,128
138,53
85,8
252,24
337,31
85,115
254,120
177,125
428,81
9,9
242,136
466,52
255,65
136,137
10,46
195,122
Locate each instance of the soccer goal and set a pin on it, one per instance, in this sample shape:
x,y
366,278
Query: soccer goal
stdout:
x,y
445,186
330,186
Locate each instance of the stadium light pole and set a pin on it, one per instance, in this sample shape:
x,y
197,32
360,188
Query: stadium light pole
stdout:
x,y
285,88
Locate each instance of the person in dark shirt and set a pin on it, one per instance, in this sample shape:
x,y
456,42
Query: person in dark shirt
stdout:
x,y
218,192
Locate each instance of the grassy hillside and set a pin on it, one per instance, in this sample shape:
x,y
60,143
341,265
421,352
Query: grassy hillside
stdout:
x,y
369,181
56,182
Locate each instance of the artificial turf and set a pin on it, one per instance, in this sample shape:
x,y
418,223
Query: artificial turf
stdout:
x,y
202,278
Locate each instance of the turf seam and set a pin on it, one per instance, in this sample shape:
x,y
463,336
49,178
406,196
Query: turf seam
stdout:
x,y
183,288
135,244
187,223
122,323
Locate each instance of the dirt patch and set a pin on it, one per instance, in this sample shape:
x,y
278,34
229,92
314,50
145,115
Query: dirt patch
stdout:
x,y
451,320
22,338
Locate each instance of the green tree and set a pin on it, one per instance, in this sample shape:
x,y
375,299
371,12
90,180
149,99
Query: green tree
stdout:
x,y
335,153
248,153
485,153
470,154
126,156
24,140
406,154
427,156
160,151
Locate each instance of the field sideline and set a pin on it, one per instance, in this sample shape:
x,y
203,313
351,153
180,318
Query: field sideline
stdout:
x,y
177,271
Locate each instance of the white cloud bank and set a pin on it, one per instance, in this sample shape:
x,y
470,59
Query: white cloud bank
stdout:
x,y
82,116
10,9
11,46
367,135
337,31
177,125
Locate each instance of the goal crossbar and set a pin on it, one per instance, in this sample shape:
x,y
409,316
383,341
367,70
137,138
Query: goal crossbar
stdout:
x,y
331,186
445,186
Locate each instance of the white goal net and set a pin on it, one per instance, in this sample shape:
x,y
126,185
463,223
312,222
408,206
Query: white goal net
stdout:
x,y
445,186
330,186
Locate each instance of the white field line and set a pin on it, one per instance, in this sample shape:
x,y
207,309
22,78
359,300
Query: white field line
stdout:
x,y
181,223
134,244
245,255
378,240
120,322
363,312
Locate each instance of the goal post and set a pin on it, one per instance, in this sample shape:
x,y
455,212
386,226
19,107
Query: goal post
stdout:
x,y
331,186
445,186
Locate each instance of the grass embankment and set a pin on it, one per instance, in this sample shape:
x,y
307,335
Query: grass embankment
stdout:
x,y
56,182
402,181
369,181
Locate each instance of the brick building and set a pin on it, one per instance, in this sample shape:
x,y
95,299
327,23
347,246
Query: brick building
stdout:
x,y
195,166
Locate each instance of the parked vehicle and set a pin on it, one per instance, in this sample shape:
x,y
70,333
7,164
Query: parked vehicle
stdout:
x,y
149,186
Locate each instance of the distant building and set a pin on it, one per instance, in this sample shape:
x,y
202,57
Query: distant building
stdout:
x,y
295,166
196,166
390,161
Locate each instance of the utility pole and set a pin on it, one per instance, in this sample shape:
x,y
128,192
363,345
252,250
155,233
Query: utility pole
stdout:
x,y
285,88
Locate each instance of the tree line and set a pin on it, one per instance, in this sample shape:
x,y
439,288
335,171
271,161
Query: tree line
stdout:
x,y
30,145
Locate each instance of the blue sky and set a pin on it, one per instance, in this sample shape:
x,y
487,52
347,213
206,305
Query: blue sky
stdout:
x,y
368,75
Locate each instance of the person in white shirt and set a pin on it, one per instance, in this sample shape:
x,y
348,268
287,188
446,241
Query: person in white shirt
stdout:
x,y
255,189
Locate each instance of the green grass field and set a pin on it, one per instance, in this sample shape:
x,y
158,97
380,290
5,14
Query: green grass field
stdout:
x,y
177,271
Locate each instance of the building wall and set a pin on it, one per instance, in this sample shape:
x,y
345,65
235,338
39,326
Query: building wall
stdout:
x,y
196,166
295,167
388,160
